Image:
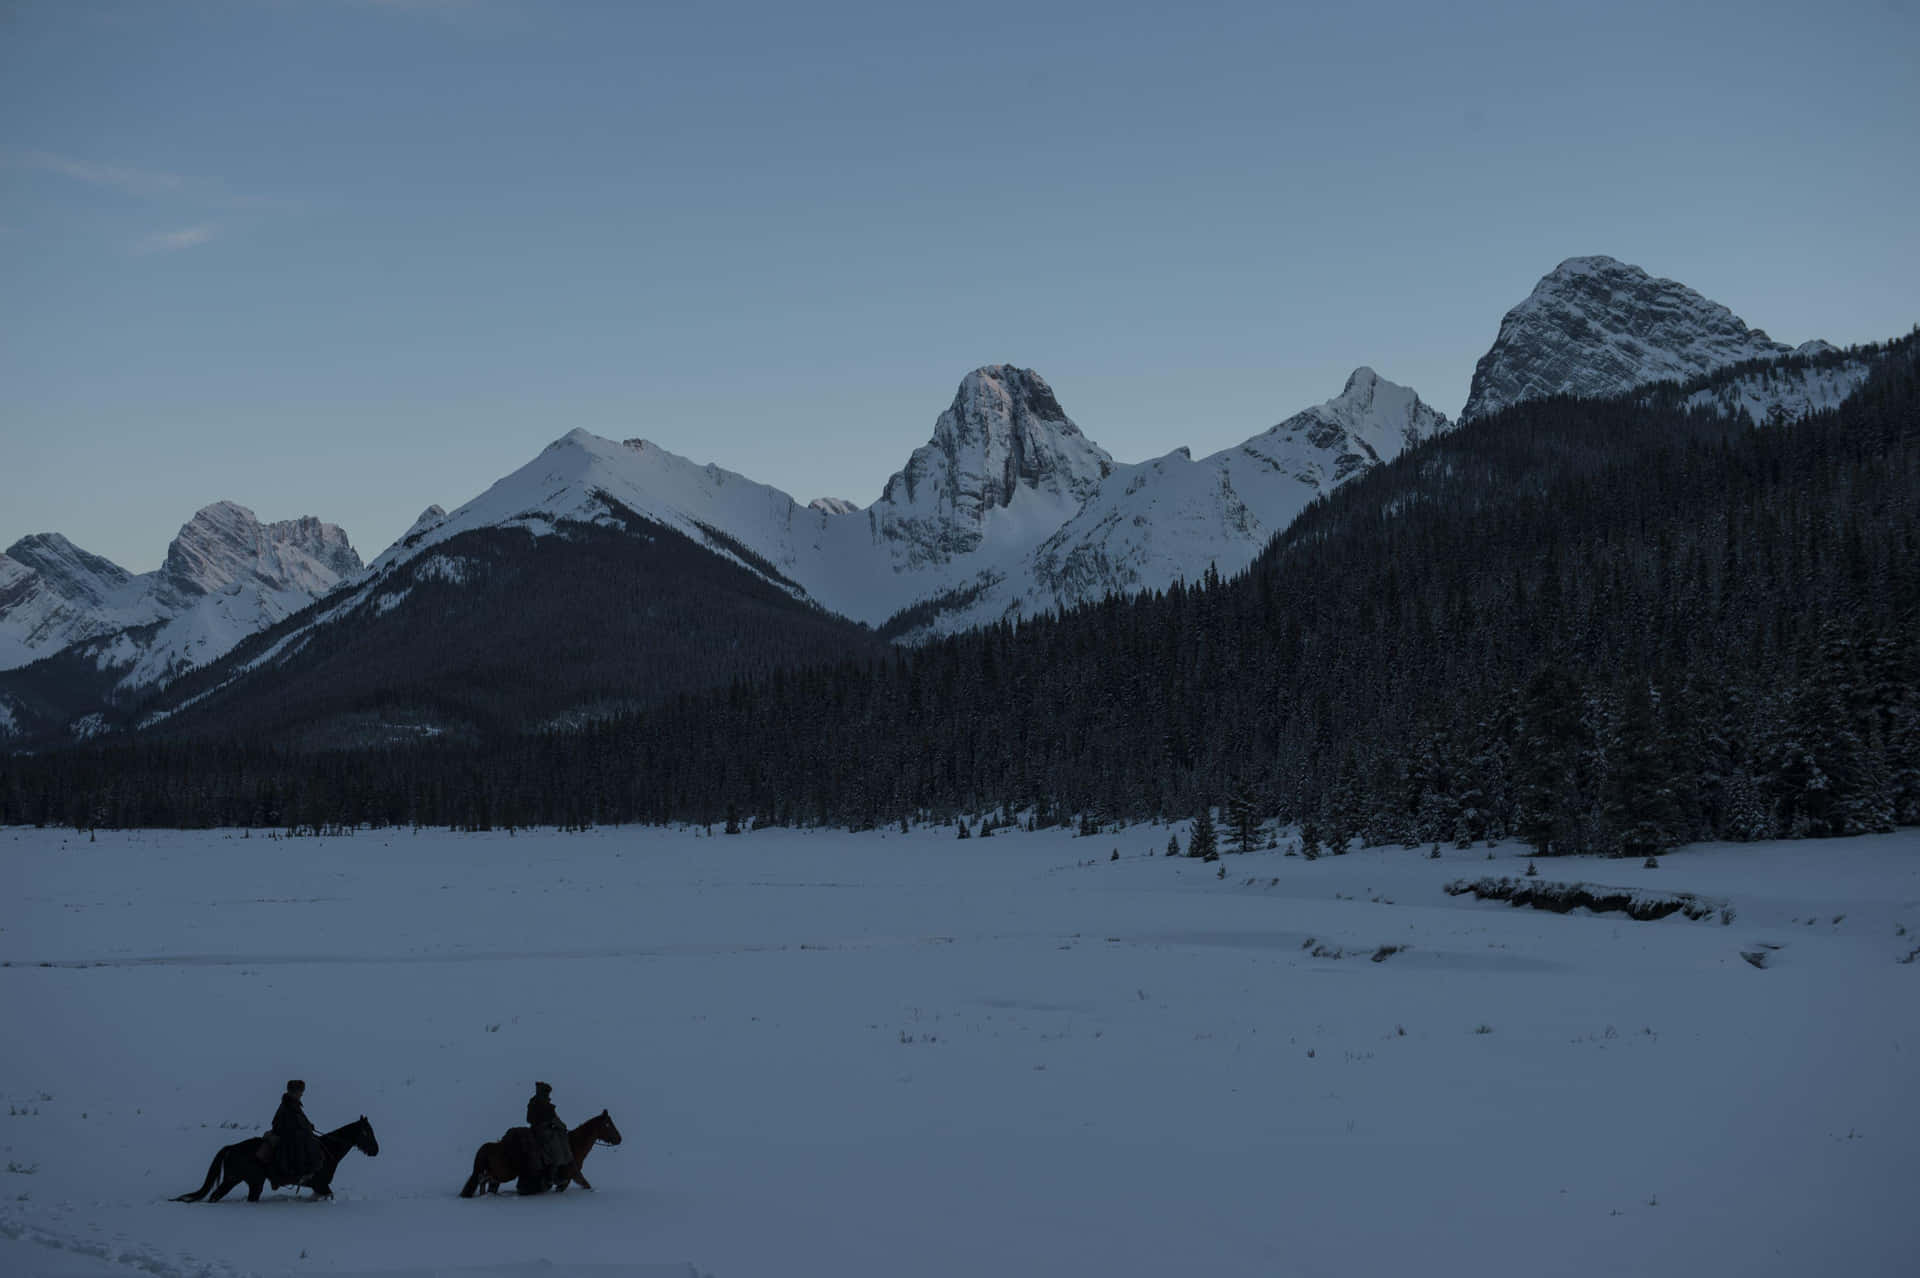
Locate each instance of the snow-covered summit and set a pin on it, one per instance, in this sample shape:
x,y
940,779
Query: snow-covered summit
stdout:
x,y
834,506
1005,444
226,576
577,476
1371,420
1171,518
1596,326
226,544
53,593
72,573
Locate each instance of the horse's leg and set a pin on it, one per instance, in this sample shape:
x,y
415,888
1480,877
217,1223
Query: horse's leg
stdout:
x,y
322,1182
584,1183
480,1180
227,1180
500,1167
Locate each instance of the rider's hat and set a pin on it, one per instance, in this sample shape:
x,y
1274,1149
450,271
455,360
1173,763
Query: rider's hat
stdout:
x,y
543,1088
296,1085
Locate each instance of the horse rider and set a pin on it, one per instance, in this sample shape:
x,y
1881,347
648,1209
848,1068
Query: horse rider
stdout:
x,y
549,1134
293,1146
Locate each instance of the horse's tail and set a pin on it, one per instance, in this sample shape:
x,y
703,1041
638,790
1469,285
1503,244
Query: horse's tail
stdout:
x,y
479,1169
213,1174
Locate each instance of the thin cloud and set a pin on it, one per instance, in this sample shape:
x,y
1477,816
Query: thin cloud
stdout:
x,y
150,184
174,241
133,181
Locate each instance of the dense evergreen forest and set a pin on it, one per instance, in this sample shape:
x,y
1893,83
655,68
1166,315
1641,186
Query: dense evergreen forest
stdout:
x,y
1607,626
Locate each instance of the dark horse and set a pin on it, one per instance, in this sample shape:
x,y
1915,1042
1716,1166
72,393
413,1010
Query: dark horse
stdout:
x,y
246,1160
502,1160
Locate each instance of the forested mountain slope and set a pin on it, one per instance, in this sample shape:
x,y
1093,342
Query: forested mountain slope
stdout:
x,y
498,631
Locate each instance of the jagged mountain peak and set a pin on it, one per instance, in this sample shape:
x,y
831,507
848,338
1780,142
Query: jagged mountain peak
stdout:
x,y
1370,420
1018,393
225,543
226,575
1599,326
1360,379
833,506
67,570
1590,264
1004,441
1366,392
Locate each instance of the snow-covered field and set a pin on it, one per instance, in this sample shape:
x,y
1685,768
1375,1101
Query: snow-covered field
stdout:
x,y
880,1054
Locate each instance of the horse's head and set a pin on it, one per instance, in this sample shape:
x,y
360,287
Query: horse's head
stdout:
x,y
364,1140
605,1130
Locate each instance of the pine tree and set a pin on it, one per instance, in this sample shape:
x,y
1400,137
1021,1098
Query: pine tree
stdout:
x,y
1344,806
1640,808
1203,843
1243,819
1552,736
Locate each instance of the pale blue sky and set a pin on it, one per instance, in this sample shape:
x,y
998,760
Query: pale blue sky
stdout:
x,y
349,257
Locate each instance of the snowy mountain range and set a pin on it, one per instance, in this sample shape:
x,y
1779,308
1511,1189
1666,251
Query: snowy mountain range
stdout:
x,y
226,576
1173,518
1008,509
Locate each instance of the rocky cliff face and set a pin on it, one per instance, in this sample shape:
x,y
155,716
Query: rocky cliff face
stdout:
x,y
225,545
53,593
1005,444
226,576
1594,326
69,571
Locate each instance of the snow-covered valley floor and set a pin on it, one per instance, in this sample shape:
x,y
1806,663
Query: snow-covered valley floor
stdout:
x,y
876,1054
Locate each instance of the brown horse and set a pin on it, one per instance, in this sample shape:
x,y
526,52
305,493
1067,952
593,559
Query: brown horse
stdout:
x,y
499,1161
245,1160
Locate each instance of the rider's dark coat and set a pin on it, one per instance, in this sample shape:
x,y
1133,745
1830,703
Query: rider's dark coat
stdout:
x,y
549,1133
296,1146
